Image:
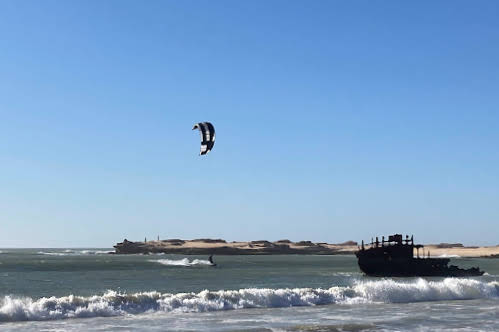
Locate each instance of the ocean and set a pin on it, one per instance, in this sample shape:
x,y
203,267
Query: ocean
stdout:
x,y
90,290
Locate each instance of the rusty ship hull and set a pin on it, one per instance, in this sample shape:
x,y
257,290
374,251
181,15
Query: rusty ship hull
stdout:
x,y
394,258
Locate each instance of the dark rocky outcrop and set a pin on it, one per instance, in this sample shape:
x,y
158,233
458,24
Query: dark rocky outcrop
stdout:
x,y
449,245
348,243
264,243
174,242
305,243
491,256
209,240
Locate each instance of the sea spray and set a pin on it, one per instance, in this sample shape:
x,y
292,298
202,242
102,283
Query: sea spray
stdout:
x,y
391,291
112,303
182,262
447,256
70,252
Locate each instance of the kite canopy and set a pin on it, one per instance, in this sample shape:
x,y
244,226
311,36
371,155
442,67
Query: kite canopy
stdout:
x,y
207,132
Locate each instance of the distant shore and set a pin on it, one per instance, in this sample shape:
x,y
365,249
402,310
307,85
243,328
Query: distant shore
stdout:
x,y
222,247
461,251
282,247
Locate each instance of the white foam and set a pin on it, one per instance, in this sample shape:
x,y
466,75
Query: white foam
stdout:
x,y
392,291
182,262
448,256
112,303
69,252
94,252
53,253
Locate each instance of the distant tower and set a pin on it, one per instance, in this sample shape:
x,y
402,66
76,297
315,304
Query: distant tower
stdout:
x,y
145,240
158,238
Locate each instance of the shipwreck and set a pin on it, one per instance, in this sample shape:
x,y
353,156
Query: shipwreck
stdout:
x,y
400,257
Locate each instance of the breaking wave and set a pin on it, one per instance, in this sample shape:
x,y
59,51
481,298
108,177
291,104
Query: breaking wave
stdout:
x,y
113,303
448,256
94,252
53,253
71,252
182,262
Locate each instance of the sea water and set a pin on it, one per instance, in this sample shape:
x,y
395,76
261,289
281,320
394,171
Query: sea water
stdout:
x,y
91,290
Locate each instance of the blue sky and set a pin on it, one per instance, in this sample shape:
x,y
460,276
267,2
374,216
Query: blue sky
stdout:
x,y
335,120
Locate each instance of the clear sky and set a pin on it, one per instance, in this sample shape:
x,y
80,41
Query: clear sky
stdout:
x,y
336,120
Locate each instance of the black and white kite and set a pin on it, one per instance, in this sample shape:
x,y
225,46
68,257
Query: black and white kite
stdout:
x,y
207,132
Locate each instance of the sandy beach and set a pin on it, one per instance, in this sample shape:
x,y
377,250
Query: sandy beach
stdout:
x,y
435,251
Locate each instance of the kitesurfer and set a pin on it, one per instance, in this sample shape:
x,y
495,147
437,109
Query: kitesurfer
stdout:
x,y
211,260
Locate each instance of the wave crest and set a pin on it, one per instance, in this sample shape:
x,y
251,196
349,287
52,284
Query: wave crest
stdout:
x,y
181,262
71,252
113,303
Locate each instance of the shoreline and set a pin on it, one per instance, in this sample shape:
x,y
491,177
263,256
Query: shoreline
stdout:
x,y
284,247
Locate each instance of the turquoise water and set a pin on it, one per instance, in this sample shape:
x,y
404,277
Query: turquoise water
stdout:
x,y
88,289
